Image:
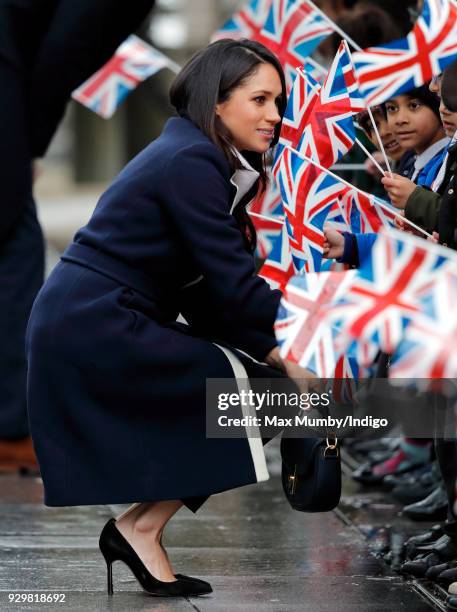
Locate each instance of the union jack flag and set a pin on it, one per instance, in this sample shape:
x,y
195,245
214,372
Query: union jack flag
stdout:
x,y
302,99
330,133
363,213
303,333
278,268
320,123
308,194
293,30
429,346
269,225
384,295
396,67
245,23
336,219
312,69
133,62
344,383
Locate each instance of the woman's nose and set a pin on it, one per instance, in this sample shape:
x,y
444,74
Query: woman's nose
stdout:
x,y
273,115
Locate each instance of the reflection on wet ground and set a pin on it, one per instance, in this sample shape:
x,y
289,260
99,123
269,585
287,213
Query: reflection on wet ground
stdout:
x,y
256,551
377,517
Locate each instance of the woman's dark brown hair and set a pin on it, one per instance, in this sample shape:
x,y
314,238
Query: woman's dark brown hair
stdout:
x,y
208,79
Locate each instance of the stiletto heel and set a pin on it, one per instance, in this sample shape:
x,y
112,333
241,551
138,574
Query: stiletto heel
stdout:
x,y
109,567
114,547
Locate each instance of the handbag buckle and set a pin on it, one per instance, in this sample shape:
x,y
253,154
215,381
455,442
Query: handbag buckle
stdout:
x,y
292,481
332,445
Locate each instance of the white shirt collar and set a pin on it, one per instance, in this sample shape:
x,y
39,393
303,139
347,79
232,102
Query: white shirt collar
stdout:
x,y
442,171
426,156
243,179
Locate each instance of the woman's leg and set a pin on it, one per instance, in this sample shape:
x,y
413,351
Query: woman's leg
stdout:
x,y
142,526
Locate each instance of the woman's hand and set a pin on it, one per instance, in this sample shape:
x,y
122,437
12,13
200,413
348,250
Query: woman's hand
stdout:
x,y
303,378
333,244
275,360
399,189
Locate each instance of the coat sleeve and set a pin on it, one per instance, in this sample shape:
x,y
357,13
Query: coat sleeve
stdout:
x,y
365,244
200,311
422,208
197,196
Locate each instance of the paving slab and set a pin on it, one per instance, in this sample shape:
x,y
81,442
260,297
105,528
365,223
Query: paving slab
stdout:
x,y
255,550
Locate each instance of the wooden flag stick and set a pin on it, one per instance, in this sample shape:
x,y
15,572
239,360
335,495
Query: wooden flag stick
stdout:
x,y
381,146
364,149
316,65
174,67
278,220
370,156
378,202
370,114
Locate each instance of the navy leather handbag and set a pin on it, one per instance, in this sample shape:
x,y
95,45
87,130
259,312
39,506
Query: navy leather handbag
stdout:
x,y
311,473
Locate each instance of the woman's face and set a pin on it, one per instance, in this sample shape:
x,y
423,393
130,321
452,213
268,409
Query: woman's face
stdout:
x,y
251,112
415,125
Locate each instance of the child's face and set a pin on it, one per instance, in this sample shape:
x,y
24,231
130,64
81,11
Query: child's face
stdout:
x,y
414,124
393,148
448,118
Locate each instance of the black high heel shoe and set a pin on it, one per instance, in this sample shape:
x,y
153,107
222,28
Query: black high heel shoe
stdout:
x,y
114,547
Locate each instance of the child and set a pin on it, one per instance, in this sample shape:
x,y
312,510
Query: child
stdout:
x,y
422,205
447,214
415,120
416,123
394,150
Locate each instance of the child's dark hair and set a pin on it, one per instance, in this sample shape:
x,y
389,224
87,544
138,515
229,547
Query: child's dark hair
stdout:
x,y
364,120
427,97
368,25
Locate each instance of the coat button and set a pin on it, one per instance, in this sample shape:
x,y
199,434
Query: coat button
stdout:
x,y
451,191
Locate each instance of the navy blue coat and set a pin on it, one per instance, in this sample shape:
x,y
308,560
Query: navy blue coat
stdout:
x,y
116,387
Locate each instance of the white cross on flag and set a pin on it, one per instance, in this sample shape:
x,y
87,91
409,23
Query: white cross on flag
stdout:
x,y
305,335
429,346
134,61
384,296
396,67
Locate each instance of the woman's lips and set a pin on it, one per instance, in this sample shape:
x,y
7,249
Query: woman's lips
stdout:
x,y
266,133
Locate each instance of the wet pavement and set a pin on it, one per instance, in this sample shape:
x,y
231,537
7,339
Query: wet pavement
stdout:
x,y
257,553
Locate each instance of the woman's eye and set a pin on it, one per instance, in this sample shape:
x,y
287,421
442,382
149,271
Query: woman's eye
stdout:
x,y
390,108
259,99
414,105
